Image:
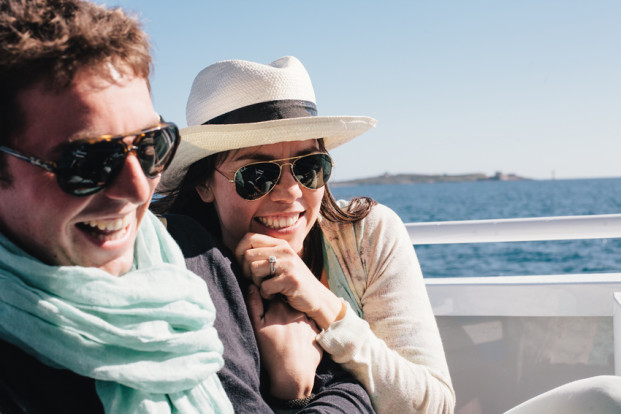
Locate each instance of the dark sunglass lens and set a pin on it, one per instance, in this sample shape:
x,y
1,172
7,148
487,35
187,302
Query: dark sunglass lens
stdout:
x,y
86,168
313,171
156,149
255,180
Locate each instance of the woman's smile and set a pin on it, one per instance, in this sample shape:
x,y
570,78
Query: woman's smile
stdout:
x,y
277,222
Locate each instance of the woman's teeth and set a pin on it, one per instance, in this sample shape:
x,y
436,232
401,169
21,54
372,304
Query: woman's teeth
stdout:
x,y
278,222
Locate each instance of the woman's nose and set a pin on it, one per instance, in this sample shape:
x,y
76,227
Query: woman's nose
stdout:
x,y
287,189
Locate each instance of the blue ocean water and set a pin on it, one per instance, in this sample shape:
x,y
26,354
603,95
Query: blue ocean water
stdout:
x,y
505,199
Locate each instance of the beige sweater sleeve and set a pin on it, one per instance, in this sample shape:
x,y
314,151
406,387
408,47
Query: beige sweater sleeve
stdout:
x,y
395,351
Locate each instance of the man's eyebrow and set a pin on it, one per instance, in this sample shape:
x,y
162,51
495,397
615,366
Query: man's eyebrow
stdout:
x,y
88,134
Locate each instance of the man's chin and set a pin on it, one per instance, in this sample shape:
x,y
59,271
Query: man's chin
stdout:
x,y
119,266
115,263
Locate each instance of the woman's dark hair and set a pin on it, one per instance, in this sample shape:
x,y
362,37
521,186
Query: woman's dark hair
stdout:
x,y
185,200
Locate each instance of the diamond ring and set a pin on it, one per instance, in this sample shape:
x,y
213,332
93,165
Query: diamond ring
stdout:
x,y
272,261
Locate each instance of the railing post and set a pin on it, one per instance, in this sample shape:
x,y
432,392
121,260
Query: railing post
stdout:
x,y
616,320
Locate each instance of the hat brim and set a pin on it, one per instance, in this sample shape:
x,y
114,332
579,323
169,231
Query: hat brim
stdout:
x,y
200,141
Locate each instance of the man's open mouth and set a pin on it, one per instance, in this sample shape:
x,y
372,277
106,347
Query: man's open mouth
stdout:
x,y
106,230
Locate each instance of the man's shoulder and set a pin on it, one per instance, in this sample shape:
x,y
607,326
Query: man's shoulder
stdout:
x,y
190,235
29,386
179,222
204,254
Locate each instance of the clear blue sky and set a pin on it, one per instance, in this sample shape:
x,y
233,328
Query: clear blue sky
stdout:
x,y
531,87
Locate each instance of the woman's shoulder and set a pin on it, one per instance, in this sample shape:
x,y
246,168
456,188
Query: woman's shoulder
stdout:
x,y
379,213
379,218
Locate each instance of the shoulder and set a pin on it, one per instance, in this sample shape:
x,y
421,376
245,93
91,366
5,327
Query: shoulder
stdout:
x,y
178,222
381,223
378,210
193,238
382,214
381,232
29,386
379,214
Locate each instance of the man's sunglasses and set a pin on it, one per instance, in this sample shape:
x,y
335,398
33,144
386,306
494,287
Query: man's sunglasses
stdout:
x,y
87,166
256,180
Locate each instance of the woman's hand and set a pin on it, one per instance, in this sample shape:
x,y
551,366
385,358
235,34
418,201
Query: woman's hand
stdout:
x,y
287,344
292,278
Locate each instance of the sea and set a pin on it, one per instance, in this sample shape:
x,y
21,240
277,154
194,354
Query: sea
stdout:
x,y
504,199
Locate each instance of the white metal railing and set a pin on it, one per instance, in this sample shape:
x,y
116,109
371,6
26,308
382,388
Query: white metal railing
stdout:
x,y
546,295
569,295
490,315
601,226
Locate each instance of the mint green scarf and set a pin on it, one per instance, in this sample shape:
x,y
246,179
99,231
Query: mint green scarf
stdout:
x,y
147,337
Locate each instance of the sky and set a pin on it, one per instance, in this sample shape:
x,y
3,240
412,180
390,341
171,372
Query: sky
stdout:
x,y
529,87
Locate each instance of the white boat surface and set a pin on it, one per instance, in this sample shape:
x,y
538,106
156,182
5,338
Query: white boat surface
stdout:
x,y
510,338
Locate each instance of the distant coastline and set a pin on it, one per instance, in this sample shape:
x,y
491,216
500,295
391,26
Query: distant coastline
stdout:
x,y
388,178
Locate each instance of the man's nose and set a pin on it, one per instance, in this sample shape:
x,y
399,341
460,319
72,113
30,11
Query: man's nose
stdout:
x,y
131,184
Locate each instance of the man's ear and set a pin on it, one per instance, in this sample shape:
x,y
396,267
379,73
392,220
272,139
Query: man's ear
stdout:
x,y
205,193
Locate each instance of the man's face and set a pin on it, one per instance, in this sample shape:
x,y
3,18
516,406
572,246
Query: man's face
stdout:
x,y
60,229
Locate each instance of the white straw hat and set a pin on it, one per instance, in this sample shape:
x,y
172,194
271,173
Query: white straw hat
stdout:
x,y
237,104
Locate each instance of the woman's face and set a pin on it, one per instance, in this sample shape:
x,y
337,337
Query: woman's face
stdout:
x,y
288,212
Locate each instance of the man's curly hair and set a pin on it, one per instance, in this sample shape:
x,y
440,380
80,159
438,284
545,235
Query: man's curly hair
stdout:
x,y
49,41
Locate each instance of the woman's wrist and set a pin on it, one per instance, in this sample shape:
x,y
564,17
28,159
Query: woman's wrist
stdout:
x,y
334,310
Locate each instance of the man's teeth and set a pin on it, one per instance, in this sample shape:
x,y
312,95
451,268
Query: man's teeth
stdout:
x,y
109,225
276,222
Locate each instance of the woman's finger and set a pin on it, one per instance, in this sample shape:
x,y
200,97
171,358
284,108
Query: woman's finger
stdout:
x,y
253,253
261,269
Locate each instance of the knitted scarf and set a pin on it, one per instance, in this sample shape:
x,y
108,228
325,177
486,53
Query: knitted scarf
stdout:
x,y
147,337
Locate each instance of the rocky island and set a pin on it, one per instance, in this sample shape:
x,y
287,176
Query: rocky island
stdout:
x,y
388,178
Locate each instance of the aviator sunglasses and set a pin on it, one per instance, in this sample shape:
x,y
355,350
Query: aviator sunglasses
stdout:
x,y
87,166
256,180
